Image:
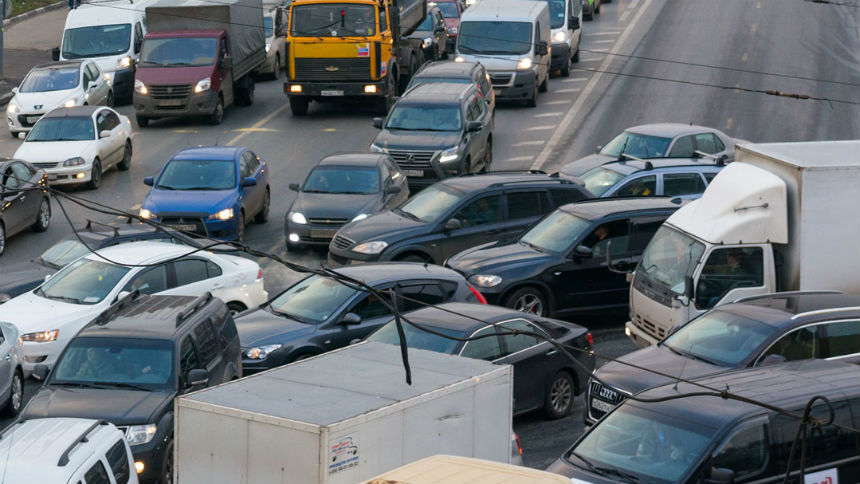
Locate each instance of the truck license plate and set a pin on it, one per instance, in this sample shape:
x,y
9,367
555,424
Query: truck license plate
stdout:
x,y
602,406
33,119
184,227
322,234
331,92
414,172
170,102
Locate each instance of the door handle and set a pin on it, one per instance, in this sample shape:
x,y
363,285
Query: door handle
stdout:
x,y
551,352
8,357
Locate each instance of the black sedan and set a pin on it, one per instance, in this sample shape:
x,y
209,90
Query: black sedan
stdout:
x,y
24,202
342,188
433,35
544,377
319,314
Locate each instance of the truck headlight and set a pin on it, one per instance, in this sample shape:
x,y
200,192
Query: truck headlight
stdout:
x,y
140,87
452,30
71,103
41,336
146,214
427,42
488,280
374,247
298,218
140,434
260,352
375,148
560,36
524,64
124,62
449,155
225,214
203,85
74,161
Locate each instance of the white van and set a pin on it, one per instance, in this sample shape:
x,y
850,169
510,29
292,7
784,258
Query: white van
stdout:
x,y
565,21
109,33
511,38
447,469
65,451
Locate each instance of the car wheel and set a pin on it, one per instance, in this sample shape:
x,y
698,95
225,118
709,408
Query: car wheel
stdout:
x,y
597,6
2,238
263,215
414,257
235,307
249,92
125,163
95,175
218,115
240,229
167,469
528,300
413,66
544,86
16,396
43,218
142,121
565,69
110,100
299,106
576,54
488,158
277,72
387,102
532,101
558,401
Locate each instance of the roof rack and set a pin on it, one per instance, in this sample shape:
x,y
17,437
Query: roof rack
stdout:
x,y
784,293
64,458
114,308
196,305
718,160
91,222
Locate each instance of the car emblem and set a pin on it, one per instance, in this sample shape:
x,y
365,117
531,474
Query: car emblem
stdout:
x,y
37,106
332,68
169,90
410,157
608,394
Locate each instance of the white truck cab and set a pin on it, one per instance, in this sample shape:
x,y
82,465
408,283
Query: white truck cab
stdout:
x,y
565,19
783,217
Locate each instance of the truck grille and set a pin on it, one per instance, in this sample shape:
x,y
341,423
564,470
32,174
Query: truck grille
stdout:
x,y
52,164
599,391
341,242
328,221
649,327
412,159
500,78
311,69
170,92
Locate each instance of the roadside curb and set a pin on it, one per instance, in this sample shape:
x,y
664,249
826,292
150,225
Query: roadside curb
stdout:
x,y
32,13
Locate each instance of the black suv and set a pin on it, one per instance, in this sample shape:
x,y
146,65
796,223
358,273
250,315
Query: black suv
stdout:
x,y
132,361
437,130
558,267
457,72
453,215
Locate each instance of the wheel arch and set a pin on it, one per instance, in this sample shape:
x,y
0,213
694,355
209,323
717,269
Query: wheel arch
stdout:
x,y
542,287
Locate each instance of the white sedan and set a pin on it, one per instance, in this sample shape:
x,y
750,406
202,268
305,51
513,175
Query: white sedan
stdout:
x,y
49,86
49,316
77,145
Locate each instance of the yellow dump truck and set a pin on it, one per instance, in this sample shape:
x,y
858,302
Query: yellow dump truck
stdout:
x,y
351,50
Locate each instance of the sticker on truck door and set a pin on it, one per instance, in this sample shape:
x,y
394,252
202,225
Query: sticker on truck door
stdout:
x,y
830,476
343,454
364,51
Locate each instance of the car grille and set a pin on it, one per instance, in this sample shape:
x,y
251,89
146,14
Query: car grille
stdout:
x,y
649,327
22,119
328,221
199,226
311,69
170,92
412,159
341,242
501,78
51,164
599,391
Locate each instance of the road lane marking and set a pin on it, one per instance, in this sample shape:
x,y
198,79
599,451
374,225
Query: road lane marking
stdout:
x,y
758,5
256,130
549,115
598,50
185,131
744,57
259,124
567,90
608,32
633,4
329,130
567,101
576,79
528,143
624,16
517,158
590,59
604,41
563,126
541,128
729,123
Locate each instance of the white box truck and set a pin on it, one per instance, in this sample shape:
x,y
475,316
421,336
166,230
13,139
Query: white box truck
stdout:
x,y
449,469
783,217
342,417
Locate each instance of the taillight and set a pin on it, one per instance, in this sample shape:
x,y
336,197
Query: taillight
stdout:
x,y
589,338
519,445
260,276
478,295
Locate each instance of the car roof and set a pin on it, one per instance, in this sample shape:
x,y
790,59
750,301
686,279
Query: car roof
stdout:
x,y
448,69
383,272
669,130
787,385
59,64
218,153
468,183
504,11
437,93
628,167
790,309
598,208
73,112
156,317
465,318
352,159
142,252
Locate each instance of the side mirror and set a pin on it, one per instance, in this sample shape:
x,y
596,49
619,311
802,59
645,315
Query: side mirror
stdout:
x,y
689,289
772,360
55,53
377,123
47,277
40,372
598,148
122,294
721,476
542,48
14,90
105,133
148,180
392,190
249,182
92,85
474,126
582,252
573,23
453,224
224,63
22,135
196,377
350,319
295,187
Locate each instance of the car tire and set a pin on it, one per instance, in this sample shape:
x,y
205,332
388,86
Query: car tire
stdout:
x,y
142,121
529,300
125,163
559,395
565,69
413,66
597,9
12,407
488,157
532,101
588,16
240,228
95,175
299,106
218,115
249,92
167,467
43,217
576,54
110,101
235,307
2,238
544,86
276,73
263,215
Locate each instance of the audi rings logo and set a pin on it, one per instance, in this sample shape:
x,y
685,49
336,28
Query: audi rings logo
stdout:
x,y
608,394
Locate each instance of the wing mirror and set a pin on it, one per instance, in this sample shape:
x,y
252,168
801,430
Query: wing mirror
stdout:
x,y
148,181
542,48
474,126
105,133
350,319
772,360
224,62
598,148
689,288
453,224
15,90
40,372
294,187
721,476
377,123
249,182
55,53
392,190
196,378
573,23
582,252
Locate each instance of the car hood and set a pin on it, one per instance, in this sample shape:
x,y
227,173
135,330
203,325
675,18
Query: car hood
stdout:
x,y
576,168
656,358
17,278
495,259
421,34
417,140
388,226
47,151
334,205
260,327
46,100
189,201
31,313
117,406
172,76
500,62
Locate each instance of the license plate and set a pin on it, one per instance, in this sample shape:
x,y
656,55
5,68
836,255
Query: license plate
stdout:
x,y
413,172
331,92
602,406
184,227
52,177
322,234
170,102
33,119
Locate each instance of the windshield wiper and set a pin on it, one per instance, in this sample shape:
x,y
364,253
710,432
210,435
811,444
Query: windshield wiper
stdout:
x,y
79,384
180,64
198,188
288,315
68,299
690,355
615,472
532,246
127,385
166,187
406,214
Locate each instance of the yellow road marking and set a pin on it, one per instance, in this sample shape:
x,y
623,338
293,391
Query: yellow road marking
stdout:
x,y
255,130
744,57
258,124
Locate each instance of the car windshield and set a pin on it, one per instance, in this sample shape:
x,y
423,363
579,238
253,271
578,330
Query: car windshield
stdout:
x,y
84,281
599,180
495,38
96,41
720,337
63,129
359,181
313,300
51,79
644,445
179,52
138,364
430,204
638,145
449,9
415,117
556,232
556,13
669,258
418,339
333,20
268,27
418,80
63,252
198,175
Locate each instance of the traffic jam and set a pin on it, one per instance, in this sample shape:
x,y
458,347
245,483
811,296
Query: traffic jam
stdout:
x,y
450,288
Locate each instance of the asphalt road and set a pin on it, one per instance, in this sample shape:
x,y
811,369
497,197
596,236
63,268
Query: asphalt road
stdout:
x,y
787,37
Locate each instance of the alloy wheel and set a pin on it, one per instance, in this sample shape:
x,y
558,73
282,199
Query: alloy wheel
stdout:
x,y
529,303
560,395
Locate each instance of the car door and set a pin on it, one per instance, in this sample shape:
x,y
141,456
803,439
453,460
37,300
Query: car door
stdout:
x,y
107,146
7,361
525,207
192,276
480,220
531,359
151,280
32,199
117,140
14,209
252,197
372,313
206,339
398,179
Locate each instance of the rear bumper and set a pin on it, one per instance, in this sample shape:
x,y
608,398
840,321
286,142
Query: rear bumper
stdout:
x,y
202,104
521,87
352,90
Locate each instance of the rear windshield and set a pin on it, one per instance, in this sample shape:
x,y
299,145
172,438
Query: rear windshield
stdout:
x,y
449,9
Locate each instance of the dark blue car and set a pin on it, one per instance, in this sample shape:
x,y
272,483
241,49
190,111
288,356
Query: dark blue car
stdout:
x,y
209,191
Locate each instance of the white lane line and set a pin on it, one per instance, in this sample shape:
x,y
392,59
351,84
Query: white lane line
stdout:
x,y
633,4
598,50
567,90
517,158
590,59
624,16
604,41
572,114
529,143
541,128
568,101
258,124
575,79
608,32
549,115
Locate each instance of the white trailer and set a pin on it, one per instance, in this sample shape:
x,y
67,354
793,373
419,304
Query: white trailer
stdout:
x,y
342,417
783,217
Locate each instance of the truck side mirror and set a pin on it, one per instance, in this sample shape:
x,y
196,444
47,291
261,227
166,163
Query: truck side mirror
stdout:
x,y
542,48
377,123
55,53
721,476
40,372
573,23
196,377
294,187
148,180
689,289
598,148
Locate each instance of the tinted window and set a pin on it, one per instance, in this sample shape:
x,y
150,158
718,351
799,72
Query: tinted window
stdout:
x,y
198,175
206,341
645,186
97,474
149,281
51,79
431,203
244,166
189,271
485,210
524,205
677,184
425,293
416,338
519,342
473,110
683,147
188,359
720,337
370,307
644,229
118,461
212,269
801,344
563,197
710,176
728,269
487,348
843,338
556,232
62,129
343,180
617,232
825,445
705,142
313,300
745,452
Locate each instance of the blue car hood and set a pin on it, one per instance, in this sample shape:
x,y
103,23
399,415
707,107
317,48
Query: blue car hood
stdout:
x,y
188,201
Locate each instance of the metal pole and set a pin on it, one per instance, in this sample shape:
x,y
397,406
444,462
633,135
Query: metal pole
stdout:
x,y
2,31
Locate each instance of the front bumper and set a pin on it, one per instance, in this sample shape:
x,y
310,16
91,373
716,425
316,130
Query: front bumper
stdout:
x,y
199,224
639,337
18,122
202,104
338,258
70,174
33,354
560,55
310,234
519,85
152,455
336,90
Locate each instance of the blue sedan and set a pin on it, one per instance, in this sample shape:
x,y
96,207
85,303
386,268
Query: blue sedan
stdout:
x,y
209,191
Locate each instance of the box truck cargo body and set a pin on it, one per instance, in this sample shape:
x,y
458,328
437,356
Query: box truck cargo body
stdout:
x,y
448,469
342,417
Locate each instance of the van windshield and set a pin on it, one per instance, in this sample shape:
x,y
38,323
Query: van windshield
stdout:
x,y
179,52
556,13
96,41
669,258
495,38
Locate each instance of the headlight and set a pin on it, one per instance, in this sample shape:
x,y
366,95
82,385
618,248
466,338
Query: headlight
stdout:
x,y
260,352
560,36
459,58
71,103
452,30
374,247
124,62
140,87
524,64
427,42
146,214
298,218
140,434
451,154
488,280
109,77
377,149
203,85
11,108
74,161
41,336
268,47
360,216
4,297
225,214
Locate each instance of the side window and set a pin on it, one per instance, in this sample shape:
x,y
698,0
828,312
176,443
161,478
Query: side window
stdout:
x,y
86,77
150,281
537,33
563,197
728,269
710,176
683,147
206,341
21,172
101,122
486,210
524,205
644,229
95,73
825,445
678,184
484,82
97,474
617,232
800,344
138,37
118,461
473,112
705,142
189,271
644,186
244,169
111,120
842,338
2,337
10,180
252,161
383,23
519,342
718,143
223,45
371,307
426,293
212,269
745,452
188,359
487,348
